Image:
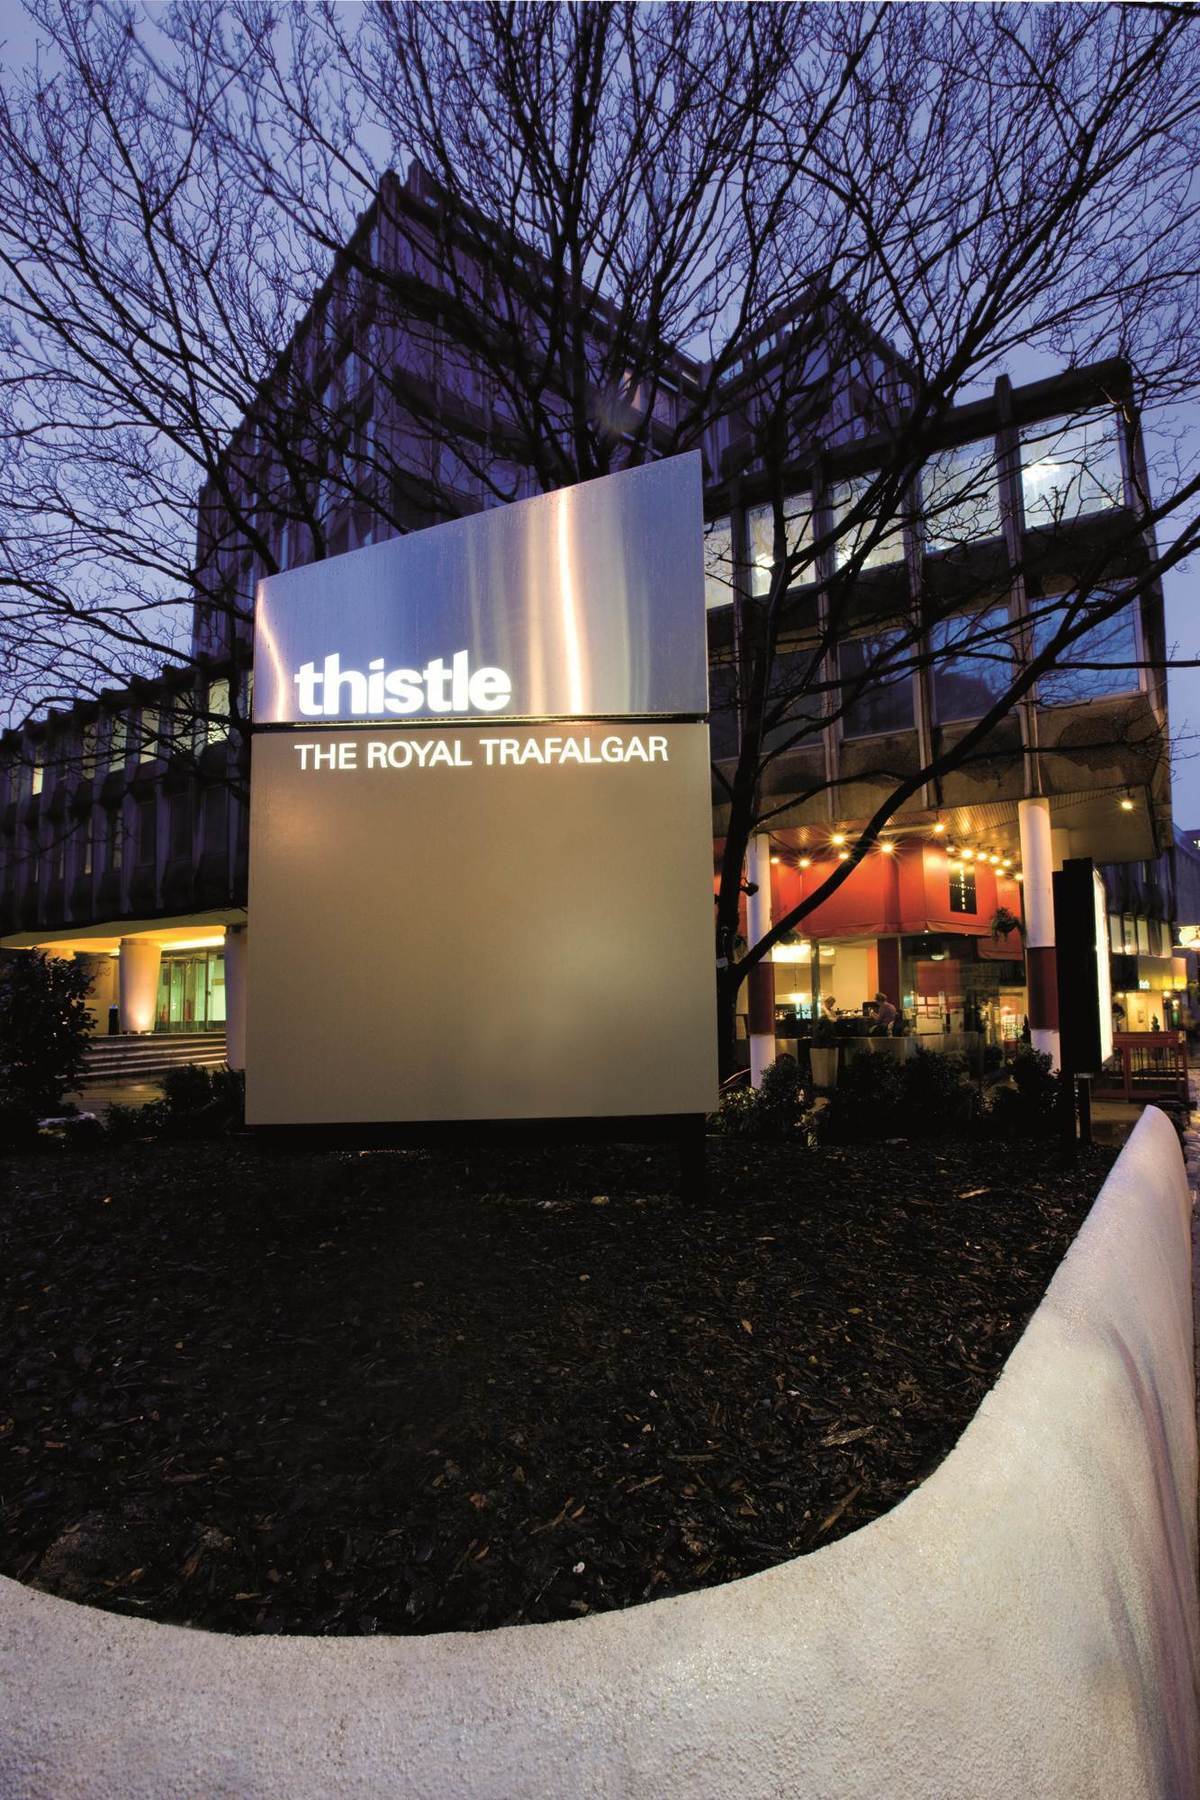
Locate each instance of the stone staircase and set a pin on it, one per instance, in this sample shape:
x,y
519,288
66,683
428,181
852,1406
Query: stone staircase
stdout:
x,y
141,1056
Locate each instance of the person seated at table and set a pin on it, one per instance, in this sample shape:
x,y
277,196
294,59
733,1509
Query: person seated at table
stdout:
x,y
885,1017
829,1007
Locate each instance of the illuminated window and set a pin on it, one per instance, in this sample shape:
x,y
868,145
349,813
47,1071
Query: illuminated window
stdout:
x,y
217,707
718,563
37,775
887,548
960,496
974,664
1109,650
877,696
1070,467
760,532
147,735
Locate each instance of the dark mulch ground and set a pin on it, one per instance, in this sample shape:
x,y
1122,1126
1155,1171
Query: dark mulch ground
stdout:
x,y
406,1392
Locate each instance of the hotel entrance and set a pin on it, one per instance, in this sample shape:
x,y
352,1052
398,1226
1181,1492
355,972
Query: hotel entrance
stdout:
x,y
191,991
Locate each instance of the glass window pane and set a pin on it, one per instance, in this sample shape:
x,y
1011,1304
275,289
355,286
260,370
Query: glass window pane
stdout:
x,y
218,710
760,532
1070,467
890,545
1111,646
974,664
960,496
718,563
148,738
885,700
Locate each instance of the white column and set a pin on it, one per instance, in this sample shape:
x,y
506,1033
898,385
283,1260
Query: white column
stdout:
x,y
758,923
1037,864
138,967
235,996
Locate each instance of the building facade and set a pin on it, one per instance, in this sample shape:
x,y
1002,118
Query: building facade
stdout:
x,y
123,820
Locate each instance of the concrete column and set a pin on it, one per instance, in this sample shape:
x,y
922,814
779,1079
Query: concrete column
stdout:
x,y
138,967
761,980
235,996
1037,862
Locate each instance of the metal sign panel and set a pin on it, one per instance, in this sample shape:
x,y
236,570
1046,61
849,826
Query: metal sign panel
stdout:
x,y
584,603
457,936
456,912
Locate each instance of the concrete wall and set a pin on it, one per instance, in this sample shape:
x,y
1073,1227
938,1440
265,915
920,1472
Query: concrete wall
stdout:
x,y
1023,1625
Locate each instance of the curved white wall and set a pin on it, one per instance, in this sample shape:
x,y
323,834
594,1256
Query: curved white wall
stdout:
x,y
1023,1625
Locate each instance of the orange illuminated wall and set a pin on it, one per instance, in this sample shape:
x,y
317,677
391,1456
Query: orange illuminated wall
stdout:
x,y
907,892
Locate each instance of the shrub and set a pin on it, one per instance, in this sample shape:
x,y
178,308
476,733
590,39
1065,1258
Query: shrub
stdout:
x,y
44,1029
865,1105
197,1102
938,1096
1029,1107
777,1109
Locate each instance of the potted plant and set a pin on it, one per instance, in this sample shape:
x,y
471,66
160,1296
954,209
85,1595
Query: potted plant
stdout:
x,y
823,1054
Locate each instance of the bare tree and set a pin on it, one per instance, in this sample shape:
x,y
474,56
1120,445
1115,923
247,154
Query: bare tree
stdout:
x,y
775,232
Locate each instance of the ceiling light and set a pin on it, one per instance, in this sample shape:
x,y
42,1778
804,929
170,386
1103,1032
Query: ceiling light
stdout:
x,y
887,847
1127,804
774,859
839,837
939,829
1006,862
843,856
993,859
805,862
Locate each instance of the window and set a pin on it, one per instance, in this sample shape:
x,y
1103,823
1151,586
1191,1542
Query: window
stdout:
x,y
37,774
888,548
179,826
960,496
973,666
217,707
1070,467
147,735
962,889
88,746
760,533
86,866
117,743
1111,647
718,563
147,831
874,698
115,837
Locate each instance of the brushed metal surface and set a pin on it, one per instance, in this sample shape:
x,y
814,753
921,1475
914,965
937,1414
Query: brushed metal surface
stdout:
x,y
480,940
590,599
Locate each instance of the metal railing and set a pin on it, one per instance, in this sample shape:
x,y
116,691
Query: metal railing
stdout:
x,y
1145,1065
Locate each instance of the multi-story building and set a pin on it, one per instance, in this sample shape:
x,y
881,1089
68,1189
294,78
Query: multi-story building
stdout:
x,y
123,819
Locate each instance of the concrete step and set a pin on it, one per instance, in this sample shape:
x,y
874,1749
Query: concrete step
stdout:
x,y
151,1053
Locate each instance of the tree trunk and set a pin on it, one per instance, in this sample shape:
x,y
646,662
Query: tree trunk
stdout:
x,y
727,993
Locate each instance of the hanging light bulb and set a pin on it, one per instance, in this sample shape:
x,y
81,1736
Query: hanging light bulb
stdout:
x,y
805,862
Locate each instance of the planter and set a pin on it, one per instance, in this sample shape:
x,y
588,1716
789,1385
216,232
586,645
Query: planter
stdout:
x,y
824,1065
1025,1622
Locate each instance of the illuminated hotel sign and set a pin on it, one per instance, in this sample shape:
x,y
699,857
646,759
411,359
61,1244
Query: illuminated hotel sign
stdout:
x,y
480,837
586,603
